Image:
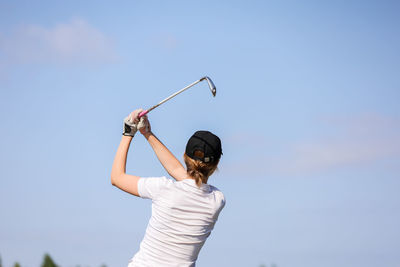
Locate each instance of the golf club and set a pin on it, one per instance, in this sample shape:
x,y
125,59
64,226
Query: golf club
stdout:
x,y
210,84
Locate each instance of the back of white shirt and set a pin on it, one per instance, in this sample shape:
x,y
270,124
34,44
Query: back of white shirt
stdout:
x,y
183,216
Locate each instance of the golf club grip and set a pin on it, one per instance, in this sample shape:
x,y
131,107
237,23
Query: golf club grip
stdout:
x,y
144,112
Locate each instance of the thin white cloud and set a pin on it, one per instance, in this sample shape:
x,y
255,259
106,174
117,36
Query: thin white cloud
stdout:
x,y
360,140
170,41
357,141
165,40
73,42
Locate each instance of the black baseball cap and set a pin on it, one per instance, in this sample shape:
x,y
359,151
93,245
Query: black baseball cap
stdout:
x,y
206,142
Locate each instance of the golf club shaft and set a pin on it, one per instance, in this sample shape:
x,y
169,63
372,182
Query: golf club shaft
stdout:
x,y
168,98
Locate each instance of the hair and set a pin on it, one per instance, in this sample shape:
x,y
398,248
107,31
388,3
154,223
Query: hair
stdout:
x,y
198,170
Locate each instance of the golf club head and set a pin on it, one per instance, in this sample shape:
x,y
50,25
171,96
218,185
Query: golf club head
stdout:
x,y
213,89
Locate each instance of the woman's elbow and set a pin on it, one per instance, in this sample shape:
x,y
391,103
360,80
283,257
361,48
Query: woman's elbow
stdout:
x,y
114,179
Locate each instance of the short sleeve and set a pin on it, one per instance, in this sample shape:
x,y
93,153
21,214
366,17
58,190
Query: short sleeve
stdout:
x,y
221,199
150,187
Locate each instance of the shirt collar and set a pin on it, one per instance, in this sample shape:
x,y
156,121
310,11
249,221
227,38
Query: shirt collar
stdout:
x,y
192,182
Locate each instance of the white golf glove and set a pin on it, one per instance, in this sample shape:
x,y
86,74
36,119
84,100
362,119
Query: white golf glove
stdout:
x,y
132,123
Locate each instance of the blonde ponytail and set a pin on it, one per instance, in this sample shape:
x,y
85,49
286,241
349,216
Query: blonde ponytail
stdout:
x,y
198,170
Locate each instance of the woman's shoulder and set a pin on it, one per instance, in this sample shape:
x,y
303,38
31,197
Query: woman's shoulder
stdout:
x,y
218,194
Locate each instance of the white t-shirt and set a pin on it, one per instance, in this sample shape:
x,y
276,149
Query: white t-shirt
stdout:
x,y
183,216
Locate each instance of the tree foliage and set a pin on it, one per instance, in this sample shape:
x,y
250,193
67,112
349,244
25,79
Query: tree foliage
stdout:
x,y
48,261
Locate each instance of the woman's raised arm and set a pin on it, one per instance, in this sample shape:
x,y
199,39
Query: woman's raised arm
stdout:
x,y
170,163
119,178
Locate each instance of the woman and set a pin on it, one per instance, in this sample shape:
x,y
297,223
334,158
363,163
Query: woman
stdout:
x,y
183,211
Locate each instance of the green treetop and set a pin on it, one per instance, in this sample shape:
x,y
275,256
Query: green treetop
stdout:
x,y
48,261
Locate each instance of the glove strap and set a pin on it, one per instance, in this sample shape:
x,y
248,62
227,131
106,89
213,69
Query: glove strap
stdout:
x,y
128,131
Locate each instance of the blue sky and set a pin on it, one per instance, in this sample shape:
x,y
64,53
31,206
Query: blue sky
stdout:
x,y
307,108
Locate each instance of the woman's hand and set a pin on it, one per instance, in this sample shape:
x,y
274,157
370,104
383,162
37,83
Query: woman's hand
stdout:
x,y
132,123
144,125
